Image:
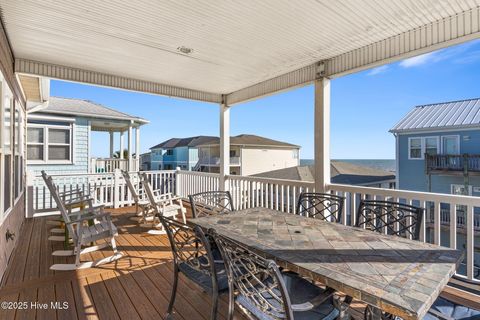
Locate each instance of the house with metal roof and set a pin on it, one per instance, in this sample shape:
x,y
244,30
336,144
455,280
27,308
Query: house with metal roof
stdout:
x,y
59,137
249,154
438,148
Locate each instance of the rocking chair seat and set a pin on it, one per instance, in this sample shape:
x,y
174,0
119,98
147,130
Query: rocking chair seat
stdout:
x,y
301,291
203,280
98,231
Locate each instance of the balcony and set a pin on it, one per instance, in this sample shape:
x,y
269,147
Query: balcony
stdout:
x,y
449,163
138,285
109,165
215,161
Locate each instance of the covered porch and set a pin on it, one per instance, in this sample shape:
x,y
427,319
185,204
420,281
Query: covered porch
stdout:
x,y
231,54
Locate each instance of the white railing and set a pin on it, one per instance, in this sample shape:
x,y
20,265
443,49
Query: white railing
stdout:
x,y
442,209
215,161
109,165
191,182
108,189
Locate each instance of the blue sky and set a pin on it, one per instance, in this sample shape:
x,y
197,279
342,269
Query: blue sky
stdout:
x,y
364,106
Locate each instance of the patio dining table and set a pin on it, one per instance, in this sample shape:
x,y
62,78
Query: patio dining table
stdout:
x,y
390,273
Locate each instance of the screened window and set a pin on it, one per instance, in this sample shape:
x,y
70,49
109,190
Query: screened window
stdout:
x,y
7,157
35,139
415,146
170,152
49,143
431,145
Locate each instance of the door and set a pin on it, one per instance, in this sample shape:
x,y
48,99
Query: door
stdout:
x,y
451,147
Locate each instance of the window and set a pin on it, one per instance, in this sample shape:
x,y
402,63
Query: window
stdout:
x,y
170,152
232,153
49,143
7,156
415,148
295,154
431,145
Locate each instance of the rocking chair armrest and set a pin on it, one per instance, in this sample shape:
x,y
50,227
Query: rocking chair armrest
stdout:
x,y
77,201
318,300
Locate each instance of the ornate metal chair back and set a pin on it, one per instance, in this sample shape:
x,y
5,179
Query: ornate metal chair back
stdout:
x,y
258,281
190,247
325,206
390,217
211,203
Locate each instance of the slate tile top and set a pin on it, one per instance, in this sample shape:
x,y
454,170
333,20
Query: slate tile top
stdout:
x,y
397,275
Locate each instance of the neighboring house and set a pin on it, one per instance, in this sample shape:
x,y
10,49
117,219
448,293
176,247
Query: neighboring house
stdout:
x,y
145,161
59,139
249,154
177,152
340,172
438,148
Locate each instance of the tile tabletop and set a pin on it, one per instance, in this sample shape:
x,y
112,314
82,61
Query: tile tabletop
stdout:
x,y
397,275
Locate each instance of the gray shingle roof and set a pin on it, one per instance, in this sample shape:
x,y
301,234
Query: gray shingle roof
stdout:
x,y
86,108
341,172
454,114
242,139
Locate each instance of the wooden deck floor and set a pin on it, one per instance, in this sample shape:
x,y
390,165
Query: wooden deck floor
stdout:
x,y
135,287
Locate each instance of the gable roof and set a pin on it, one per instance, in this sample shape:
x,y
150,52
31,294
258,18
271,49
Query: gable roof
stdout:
x,y
84,108
453,114
341,172
240,140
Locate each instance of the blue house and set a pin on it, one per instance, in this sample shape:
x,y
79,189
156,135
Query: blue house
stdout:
x,y
177,152
438,148
59,137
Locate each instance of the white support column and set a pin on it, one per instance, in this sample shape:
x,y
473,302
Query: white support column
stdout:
x,y
137,149
224,145
111,144
130,149
322,134
122,143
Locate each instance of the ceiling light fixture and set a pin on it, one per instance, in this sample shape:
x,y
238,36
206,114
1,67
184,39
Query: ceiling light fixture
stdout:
x,y
185,50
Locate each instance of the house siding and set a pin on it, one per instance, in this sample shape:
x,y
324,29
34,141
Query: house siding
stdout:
x,y
80,149
411,172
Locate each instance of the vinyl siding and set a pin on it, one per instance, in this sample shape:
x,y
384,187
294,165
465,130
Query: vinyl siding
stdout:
x,y
80,153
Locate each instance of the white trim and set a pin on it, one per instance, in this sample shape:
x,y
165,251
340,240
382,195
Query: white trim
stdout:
x,y
49,118
46,128
451,136
421,148
452,185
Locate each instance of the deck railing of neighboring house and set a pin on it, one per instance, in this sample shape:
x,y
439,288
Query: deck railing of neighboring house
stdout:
x,y
109,165
248,192
451,162
215,161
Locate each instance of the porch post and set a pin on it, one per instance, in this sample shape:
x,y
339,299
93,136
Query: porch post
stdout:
x,y
137,148
322,134
130,149
111,144
122,143
224,145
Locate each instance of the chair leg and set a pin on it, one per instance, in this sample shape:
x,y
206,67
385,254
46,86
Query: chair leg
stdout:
x,y
231,303
113,243
213,315
174,293
78,250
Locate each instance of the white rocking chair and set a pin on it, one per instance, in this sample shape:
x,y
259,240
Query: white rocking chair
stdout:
x,y
143,207
83,234
162,205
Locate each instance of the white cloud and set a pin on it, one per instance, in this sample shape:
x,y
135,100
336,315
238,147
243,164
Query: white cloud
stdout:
x,y
378,70
420,60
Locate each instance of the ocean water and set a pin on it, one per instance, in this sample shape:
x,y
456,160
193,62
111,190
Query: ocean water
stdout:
x,y
383,164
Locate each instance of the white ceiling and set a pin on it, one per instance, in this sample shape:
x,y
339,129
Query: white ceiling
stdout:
x,y
235,43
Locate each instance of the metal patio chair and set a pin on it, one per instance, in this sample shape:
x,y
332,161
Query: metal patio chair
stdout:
x,y
325,206
209,203
392,218
85,227
163,205
259,289
193,257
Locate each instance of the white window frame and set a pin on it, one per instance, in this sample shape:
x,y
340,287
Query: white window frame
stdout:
x,y
470,188
46,144
451,136
423,146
